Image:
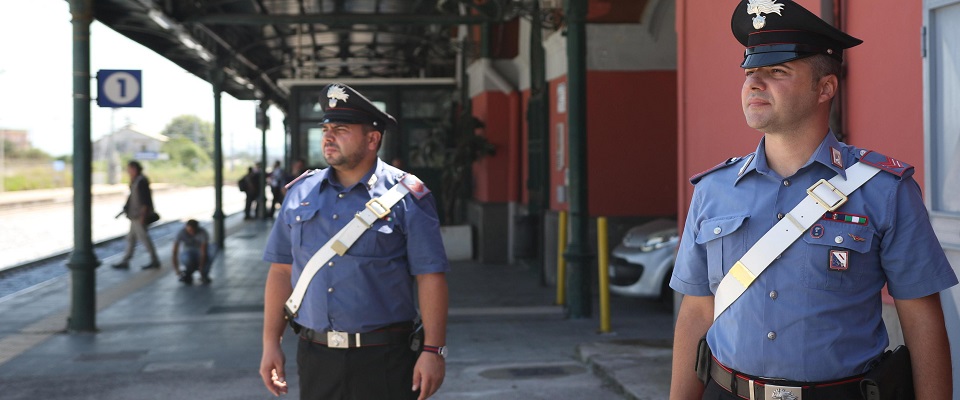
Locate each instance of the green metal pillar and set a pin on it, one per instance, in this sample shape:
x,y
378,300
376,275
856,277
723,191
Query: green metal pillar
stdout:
x,y
538,143
83,261
577,255
262,207
216,78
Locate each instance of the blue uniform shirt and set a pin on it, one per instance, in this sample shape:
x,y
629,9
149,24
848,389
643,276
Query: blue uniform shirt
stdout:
x,y
814,313
371,286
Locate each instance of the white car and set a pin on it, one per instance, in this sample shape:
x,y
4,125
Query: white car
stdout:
x,y
641,265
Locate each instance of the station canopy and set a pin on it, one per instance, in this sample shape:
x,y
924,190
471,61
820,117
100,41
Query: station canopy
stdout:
x,y
256,43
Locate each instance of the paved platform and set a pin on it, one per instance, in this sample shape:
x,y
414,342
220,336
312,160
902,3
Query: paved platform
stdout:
x,y
159,339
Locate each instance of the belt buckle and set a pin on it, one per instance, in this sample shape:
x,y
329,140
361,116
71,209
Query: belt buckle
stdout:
x,y
774,392
337,340
823,203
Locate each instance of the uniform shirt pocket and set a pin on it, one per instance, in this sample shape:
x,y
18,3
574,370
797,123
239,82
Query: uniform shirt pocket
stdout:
x,y
297,219
383,239
724,239
837,255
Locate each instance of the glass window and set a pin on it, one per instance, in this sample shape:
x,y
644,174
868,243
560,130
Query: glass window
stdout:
x,y
945,107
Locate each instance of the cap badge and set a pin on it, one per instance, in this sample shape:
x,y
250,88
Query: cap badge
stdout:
x,y
759,7
336,93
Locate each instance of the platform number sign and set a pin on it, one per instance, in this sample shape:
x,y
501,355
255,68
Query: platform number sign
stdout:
x,y
118,88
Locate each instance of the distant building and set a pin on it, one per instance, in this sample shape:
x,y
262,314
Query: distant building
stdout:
x,y
128,141
17,138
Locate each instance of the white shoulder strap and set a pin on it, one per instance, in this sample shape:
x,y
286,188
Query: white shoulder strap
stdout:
x,y
822,197
376,208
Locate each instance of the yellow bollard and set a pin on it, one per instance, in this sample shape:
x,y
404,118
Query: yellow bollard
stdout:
x,y
561,262
603,260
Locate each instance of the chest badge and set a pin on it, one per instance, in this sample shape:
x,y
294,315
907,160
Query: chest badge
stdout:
x,y
856,238
816,231
839,260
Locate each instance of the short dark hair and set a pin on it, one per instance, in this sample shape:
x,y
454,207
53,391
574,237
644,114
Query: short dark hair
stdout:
x,y
822,66
193,223
136,165
367,128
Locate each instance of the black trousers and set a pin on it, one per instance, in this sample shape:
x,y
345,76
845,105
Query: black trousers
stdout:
x,y
366,373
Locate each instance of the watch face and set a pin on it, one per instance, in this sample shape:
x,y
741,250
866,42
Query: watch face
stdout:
x,y
442,351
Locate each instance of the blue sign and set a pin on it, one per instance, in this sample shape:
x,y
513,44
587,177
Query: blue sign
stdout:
x,y
119,88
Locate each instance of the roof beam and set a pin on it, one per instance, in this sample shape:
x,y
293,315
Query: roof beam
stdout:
x,y
342,19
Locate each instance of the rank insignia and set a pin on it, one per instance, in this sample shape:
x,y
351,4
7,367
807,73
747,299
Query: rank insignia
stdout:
x,y
839,260
760,7
847,218
816,231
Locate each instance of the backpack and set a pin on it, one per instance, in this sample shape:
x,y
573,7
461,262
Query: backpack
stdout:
x,y
242,184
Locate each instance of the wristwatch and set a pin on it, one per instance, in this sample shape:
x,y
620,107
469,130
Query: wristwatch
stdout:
x,y
441,350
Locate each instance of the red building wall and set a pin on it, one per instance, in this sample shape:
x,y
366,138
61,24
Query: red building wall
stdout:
x,y
497,177
559,151
884,83
631,129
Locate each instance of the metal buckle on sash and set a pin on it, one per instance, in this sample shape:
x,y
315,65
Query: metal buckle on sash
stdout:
x,y
821,201
337,340
377,208
781,392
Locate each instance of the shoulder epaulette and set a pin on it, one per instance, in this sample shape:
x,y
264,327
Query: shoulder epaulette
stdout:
x,y
885,163
728,162
415,186
299,178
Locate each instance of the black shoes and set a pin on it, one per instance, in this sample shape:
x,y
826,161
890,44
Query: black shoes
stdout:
x,y
152,265
121,265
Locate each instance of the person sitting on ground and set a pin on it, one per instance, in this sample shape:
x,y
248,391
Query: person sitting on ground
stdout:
x,y
194,256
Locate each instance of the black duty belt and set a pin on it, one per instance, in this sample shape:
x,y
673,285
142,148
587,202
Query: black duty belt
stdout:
x,y
393,334
747,387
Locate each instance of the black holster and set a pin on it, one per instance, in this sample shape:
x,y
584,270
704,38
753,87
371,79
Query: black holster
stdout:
x,y
890,378
293,324
704,355
416,337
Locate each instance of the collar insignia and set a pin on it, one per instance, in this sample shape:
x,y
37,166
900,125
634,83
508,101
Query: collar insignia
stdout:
x,y
837,157
759,7
336,93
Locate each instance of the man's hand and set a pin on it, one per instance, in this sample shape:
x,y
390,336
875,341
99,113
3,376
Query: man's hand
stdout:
x,y
271,370
428,374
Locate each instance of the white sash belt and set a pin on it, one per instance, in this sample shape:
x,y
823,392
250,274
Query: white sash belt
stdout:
x,y
376,208
822,197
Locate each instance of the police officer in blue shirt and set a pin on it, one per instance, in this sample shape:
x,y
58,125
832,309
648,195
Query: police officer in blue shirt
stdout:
x,y
810,324
367,293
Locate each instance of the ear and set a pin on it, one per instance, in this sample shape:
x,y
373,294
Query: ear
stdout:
x,y
827,88
373,140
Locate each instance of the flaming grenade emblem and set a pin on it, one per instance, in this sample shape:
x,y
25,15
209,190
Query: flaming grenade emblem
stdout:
x,y
783,394
759,7
336,93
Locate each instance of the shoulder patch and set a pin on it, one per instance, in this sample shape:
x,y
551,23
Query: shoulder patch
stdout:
x,y
885,163
415,186
299,178
728,162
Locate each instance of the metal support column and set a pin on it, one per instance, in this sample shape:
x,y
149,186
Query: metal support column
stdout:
x,y
219,231
538,143
577,255
262,207
83,261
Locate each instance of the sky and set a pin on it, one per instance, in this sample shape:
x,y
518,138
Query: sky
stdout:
x,y
36,84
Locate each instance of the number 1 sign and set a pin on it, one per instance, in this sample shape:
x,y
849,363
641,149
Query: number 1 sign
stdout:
x,y
118,88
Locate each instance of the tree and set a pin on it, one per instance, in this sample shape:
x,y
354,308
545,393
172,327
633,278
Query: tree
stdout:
x,y
185,152
192,128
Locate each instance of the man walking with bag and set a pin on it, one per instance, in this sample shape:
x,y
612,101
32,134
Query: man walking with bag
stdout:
x,y
785,251
139,208
347,247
